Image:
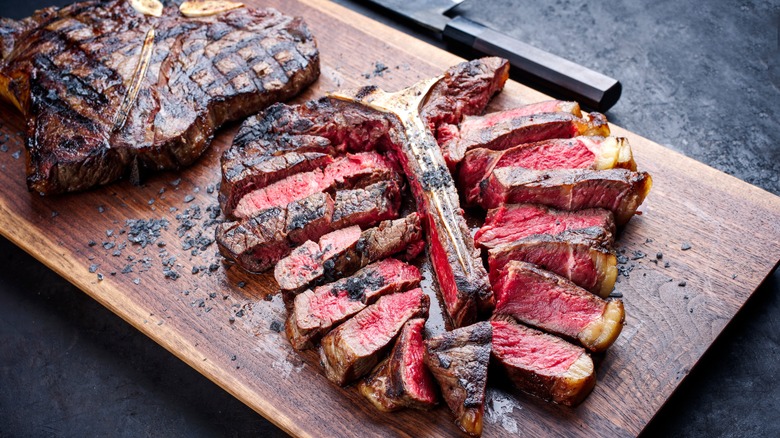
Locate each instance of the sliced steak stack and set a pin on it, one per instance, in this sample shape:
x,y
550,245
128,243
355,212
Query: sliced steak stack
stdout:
x,y
314,312
107,90
353,349
344,251
509,223
541,364
402,380
598,153
549,302
459,360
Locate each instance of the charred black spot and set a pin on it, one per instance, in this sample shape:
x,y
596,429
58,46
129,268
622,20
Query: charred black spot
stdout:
x,y
365,92
356,287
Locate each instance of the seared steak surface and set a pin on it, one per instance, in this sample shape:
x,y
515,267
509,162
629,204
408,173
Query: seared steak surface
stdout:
x,y
96,109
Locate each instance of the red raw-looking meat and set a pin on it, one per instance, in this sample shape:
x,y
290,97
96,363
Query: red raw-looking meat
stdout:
x,y
542,364
344,251
353,349
315,312
552,303
509,223
618,190
597,153
459,360
402,380
352,170
576,255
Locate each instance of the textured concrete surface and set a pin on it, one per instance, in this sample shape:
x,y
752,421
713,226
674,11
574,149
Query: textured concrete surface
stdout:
x,y
702,78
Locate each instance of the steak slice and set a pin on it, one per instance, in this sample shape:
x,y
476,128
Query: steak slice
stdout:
x,y
554,304
263,142
315,312
344,251
508,223
459,360
576,255
541,364
618,190
257,243
402,380
353,349
353,170
598,153
95,112
505,129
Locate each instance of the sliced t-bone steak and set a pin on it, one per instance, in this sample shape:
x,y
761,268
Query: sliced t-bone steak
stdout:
x,y
576,255
315,312
459,360
344,251
352,170
542,364
257,243
618,190
554,304
355,347
505,129
402,380
506,224
107,90
268,146
598,153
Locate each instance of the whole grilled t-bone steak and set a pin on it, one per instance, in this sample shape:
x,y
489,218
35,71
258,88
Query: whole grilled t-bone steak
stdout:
x,y
108,90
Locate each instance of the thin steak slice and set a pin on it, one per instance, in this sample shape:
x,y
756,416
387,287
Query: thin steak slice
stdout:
x,y
554,304
598,153
541,364
505,129
618,190
267,142
465,89
402,380
509,223
352,170
257,243
353,349
105,95
344,251
315,312
576,255
459,360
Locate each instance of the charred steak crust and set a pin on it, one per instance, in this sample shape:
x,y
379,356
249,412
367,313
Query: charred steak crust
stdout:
x,y
459,360
68,71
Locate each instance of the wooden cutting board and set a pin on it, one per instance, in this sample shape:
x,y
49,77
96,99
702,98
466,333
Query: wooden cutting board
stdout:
x,y
224,322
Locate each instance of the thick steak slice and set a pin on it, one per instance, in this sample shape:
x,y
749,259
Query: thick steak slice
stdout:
x,y
465,89
344,251
598,153
352,170
542,364
265,143
506,224
355,347
618,190
402,380
576,255
459,360
94,113
257,243
315,312
554,304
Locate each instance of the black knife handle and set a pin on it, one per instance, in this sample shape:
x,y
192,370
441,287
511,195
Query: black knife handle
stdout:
x,y
571,80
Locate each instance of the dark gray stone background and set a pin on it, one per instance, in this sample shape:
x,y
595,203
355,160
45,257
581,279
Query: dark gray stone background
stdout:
x,y
702,78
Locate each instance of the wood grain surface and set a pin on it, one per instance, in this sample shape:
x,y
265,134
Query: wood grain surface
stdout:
x,y
224,322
